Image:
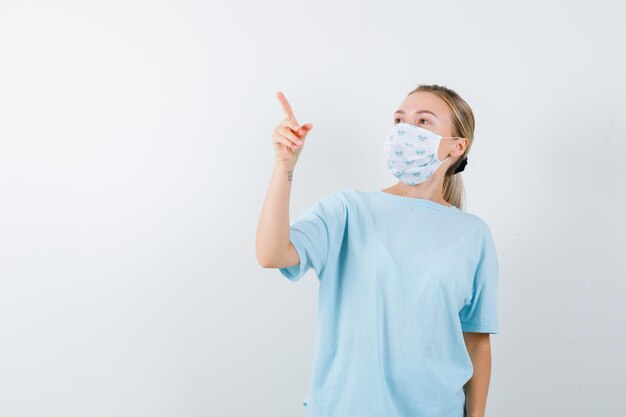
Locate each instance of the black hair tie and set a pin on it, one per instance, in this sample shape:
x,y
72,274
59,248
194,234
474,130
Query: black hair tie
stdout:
x,y
461,166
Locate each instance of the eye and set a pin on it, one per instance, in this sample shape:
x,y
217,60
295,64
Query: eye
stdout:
x,y
397,120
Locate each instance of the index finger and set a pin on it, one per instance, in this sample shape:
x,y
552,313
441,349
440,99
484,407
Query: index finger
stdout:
x,y
286,107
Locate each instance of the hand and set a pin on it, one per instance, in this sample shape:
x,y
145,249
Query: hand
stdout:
x,y
288,137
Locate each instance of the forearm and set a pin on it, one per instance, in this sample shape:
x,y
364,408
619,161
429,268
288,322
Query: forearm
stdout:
x,y
272,236
477,387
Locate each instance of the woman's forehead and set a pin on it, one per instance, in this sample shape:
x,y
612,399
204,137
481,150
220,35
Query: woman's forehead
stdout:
x,y
422,102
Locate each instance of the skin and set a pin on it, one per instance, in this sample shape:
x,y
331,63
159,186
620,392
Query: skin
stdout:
x,y
274,249
476,389
410,111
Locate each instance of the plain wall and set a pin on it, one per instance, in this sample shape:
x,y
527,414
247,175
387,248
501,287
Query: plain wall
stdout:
x,y
135,154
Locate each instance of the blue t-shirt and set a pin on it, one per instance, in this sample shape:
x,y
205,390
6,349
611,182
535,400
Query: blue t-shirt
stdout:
x,y
400,280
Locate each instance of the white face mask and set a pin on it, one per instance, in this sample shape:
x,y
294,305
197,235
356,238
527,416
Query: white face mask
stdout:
x,y
412,153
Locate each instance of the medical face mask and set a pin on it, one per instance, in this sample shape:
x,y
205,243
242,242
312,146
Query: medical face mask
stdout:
x,y
411,153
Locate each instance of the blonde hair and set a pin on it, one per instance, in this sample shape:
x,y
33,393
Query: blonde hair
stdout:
x,y
463,124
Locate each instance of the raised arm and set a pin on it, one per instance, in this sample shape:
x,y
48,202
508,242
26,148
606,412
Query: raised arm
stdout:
x,y
273,248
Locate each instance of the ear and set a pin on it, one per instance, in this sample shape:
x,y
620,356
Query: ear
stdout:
x,y
462,145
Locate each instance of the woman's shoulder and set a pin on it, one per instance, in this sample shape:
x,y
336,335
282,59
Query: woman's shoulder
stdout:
x,y
478,222
349,198
342,195
342,200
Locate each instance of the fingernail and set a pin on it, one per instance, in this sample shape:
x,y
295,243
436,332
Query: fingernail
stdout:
x,y
299,142
297,127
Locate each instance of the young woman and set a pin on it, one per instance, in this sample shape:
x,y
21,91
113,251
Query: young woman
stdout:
x,y
407,278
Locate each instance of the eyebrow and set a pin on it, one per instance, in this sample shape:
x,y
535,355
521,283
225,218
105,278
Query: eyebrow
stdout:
x,y
419,111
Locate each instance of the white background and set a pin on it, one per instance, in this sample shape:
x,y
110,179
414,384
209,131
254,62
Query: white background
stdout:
x,y
135,154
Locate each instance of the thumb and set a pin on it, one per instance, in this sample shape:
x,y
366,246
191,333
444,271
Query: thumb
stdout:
x,y
305,129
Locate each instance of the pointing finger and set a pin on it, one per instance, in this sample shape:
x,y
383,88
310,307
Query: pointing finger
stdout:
x,y
285,105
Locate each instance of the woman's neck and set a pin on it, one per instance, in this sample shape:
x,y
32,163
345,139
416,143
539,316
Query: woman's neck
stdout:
x,y
426,190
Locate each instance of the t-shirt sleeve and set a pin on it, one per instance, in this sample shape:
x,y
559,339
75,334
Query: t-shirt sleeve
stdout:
x,y
481,314
315,234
